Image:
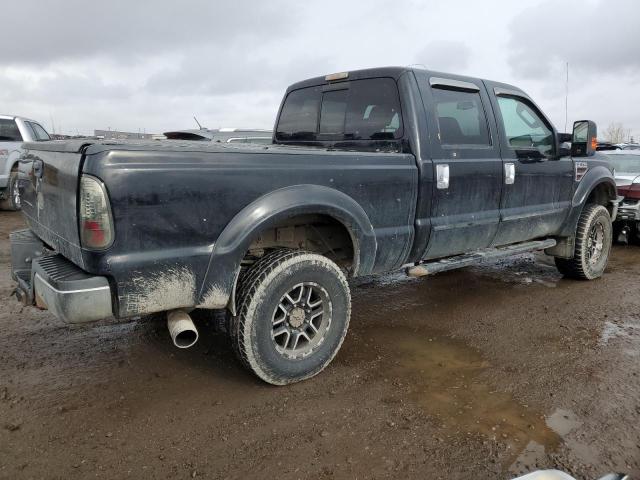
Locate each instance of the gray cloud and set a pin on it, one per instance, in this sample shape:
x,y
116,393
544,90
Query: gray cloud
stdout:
x,y
445,55
232,71
129,30
592,37
152,65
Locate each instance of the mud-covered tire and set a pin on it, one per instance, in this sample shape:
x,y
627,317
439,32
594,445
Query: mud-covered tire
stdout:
x,y
261,292
594,220
12,197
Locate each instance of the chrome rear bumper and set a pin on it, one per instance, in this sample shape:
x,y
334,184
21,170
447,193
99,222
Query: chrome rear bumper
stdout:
x,y
52,282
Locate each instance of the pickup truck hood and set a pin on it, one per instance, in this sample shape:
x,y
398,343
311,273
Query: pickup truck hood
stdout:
x,y
626,179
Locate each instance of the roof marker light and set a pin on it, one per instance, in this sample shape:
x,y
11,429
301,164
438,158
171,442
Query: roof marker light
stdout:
x,y
337,76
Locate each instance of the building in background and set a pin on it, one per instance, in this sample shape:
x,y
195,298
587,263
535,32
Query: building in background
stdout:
x,y
116,135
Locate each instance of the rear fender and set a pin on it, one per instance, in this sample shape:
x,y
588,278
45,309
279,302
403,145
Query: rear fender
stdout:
x,y
267,212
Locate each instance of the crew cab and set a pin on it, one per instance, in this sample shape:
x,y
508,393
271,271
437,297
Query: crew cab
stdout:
x,y
13,131
369,171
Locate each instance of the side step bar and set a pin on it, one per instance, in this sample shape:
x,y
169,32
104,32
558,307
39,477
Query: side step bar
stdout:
x,y
479,256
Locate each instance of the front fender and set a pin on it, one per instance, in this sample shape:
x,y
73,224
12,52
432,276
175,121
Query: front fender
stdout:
x,y
268,211
595,176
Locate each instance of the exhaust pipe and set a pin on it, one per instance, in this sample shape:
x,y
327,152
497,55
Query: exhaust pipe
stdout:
x,y
181,328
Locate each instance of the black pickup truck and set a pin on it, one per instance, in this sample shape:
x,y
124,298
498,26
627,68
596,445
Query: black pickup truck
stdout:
x,y
369,171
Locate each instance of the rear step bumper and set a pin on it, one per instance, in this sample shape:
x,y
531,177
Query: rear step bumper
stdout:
x,y
52,282
480,256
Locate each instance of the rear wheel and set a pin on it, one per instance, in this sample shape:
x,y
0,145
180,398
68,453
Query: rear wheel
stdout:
x,y
294,310
593,245
12,200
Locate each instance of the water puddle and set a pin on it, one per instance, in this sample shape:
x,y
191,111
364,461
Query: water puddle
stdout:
x,y
444,378
524,269
618,329
562,422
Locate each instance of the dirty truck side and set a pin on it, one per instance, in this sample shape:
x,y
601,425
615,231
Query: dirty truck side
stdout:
x,y
369,171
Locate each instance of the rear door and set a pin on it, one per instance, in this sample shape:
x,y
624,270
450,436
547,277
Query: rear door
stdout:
x,y
467,166
537,195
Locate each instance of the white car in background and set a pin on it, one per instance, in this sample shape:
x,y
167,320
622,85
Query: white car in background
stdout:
x,y
13,132
627,173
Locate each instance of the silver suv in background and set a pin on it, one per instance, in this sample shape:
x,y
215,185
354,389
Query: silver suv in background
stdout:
x,y
13,131
223,135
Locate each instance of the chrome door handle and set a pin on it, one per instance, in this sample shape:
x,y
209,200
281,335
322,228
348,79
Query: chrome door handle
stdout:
x,y
509,173
442,176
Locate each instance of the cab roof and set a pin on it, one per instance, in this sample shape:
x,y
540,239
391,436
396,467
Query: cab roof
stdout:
x,y
395,73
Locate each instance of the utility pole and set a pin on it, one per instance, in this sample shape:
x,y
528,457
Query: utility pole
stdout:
x,y
566,101
53,125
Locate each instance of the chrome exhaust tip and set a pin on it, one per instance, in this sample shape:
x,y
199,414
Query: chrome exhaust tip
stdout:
x,y
182,329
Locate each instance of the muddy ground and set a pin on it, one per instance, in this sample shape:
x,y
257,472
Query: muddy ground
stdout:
x,y
480,373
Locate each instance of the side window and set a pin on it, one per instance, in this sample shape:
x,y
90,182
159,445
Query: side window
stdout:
x,y
461,118
32,132
524,127
40,132
361,110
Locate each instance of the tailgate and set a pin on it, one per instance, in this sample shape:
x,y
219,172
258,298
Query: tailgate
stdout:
x,y
49,173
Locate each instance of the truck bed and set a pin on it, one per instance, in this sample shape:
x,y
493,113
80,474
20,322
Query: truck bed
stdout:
x,y
171,201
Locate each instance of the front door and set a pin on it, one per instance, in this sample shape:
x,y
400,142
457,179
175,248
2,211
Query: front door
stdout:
x,y
467,166
538,186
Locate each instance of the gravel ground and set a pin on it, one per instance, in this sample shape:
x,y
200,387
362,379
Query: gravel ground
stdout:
x,y
479,373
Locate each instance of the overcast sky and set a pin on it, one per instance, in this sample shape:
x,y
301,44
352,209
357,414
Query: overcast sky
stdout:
x,y
134,65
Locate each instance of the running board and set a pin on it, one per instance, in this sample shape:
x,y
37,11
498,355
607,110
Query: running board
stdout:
x,y
479,256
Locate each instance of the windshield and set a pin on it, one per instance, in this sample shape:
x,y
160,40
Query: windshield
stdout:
x,y
625,163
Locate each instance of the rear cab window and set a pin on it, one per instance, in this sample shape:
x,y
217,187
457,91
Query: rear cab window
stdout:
x,y
9,131
354,111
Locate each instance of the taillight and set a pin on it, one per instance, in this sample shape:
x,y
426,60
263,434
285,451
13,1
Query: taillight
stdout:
x,y
96,225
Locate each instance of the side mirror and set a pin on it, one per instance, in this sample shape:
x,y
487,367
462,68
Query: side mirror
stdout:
x,y
584,139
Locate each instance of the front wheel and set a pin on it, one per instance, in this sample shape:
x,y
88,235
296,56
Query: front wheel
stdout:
x,y
294,310
593,245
